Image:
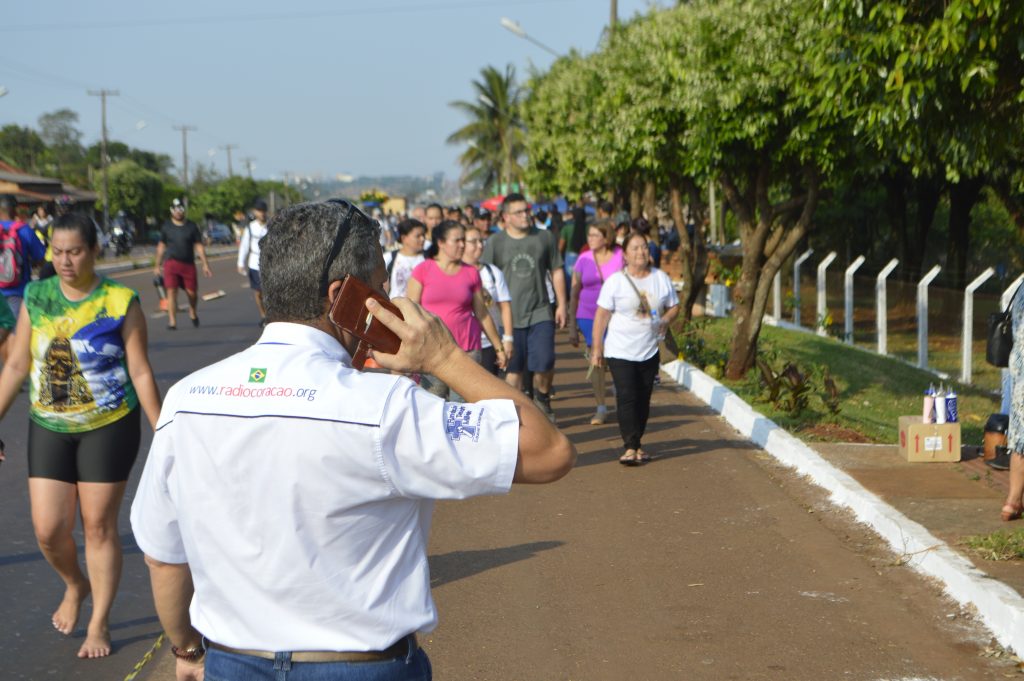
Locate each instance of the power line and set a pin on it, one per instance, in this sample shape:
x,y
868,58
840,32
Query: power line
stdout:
x,y
278,16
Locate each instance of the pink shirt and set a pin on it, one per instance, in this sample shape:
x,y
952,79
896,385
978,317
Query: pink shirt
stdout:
x,y
591,281
450,297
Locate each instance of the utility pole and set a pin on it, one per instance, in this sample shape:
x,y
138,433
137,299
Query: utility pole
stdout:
x,y
103,94
248,164
614,21
228,148
185,129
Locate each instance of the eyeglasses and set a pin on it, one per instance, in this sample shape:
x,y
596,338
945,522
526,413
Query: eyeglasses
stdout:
x,y
521,211
474,241
344,227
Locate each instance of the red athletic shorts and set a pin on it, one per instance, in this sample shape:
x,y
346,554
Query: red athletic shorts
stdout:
x,y
179,274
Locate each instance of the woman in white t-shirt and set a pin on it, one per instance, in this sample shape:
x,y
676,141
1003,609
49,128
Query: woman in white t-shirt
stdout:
x,y
496,297
401,263
636,306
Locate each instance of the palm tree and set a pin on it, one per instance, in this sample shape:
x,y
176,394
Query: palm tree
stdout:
x,y
495,135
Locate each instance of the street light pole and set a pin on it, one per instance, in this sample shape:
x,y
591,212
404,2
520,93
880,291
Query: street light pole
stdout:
x,y
514,27
103,94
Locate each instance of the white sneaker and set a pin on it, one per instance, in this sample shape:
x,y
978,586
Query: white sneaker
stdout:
x,y
599,416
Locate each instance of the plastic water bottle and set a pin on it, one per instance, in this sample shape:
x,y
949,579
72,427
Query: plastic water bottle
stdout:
x,y
940,406
656,325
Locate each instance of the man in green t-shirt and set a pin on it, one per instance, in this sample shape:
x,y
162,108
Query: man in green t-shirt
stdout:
x,y
528,256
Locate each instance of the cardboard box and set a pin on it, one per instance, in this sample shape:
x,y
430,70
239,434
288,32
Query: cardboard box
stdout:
x,y
929,441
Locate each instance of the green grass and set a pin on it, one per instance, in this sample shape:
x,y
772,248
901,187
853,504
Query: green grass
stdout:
x,y
1000,545
875,391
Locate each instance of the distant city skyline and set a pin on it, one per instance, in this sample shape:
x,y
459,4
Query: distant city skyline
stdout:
x,y
320,89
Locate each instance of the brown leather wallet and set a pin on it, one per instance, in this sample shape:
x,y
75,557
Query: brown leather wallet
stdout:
x,y
349,313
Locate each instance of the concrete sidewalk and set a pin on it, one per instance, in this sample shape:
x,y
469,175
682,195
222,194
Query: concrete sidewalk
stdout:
x,y
922,510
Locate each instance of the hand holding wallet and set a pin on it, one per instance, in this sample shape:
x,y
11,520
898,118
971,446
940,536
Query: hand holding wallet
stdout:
x,y
349,313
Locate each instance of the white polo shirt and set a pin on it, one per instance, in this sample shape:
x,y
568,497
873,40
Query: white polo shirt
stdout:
x,y
300,490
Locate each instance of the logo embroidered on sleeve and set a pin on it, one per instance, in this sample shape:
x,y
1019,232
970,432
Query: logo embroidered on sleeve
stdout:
x,y
463,420
257,375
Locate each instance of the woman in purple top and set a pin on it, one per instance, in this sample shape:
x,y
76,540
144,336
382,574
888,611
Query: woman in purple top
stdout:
x,y
602,259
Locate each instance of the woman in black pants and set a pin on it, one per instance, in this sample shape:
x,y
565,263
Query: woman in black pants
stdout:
x,y
636,306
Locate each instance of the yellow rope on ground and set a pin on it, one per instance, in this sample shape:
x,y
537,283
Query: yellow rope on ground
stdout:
x,y
145,659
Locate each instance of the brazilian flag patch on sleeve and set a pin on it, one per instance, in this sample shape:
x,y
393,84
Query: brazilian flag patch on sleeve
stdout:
x,y
258,375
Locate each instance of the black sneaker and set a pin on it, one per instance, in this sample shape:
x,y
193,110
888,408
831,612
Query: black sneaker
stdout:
x,y
543,403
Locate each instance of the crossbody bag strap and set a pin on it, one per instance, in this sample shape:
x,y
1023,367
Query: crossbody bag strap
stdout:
x,y
645,308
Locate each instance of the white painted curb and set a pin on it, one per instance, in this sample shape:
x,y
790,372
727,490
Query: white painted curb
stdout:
x,y
1000,607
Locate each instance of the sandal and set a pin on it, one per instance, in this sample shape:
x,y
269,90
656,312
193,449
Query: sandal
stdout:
x,y
630,458
642,456
1011,512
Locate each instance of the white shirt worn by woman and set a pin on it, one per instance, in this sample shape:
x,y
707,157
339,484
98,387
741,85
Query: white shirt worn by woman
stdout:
x,y
497,289
401,267
632,335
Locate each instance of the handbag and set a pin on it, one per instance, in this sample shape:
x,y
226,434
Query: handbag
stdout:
x,y
1000,335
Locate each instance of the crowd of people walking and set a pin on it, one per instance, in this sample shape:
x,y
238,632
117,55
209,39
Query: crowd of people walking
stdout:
x,y
501,285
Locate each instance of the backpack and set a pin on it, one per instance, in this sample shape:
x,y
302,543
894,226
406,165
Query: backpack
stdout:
x,y
12,261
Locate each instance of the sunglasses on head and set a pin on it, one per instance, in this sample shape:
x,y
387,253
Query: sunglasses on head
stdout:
x,y
344,227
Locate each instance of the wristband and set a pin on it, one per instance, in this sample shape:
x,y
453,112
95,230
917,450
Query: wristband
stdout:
x,y
507,339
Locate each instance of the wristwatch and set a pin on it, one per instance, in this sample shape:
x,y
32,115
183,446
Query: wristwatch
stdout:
x,y
190,654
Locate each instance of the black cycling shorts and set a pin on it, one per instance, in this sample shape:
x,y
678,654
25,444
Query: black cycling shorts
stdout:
x,y
102,455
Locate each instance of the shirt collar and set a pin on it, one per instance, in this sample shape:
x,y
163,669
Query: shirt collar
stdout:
x,y
289,333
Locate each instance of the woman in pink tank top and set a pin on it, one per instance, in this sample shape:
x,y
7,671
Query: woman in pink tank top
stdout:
x,y
446,286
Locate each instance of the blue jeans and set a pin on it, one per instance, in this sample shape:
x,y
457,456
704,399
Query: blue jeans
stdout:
x,y
224,666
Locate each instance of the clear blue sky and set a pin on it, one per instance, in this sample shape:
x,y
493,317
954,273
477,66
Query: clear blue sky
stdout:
x,y
310,86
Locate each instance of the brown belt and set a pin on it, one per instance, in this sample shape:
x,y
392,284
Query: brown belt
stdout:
x,y
399,649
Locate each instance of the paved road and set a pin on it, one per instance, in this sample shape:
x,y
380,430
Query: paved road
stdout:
x,y
709,563
29,589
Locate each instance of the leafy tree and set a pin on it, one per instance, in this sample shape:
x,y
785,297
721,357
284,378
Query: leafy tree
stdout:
x,y
614,121
744,71
936,89
221,199
494,135
65,157
133,189
22,147
161,164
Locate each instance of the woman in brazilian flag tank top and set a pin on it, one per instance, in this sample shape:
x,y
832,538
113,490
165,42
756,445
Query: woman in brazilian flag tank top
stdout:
x,y
82,339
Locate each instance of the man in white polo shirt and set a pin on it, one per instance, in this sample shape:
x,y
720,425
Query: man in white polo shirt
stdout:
x,y
295,493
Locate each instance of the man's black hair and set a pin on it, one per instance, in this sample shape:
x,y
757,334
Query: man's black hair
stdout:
x,y
510,199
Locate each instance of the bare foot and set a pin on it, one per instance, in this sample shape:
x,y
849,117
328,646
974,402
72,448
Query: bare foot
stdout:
x,y
97,643
66,616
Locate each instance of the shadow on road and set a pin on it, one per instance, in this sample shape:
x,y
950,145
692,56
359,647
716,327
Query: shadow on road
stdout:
x,y
451,567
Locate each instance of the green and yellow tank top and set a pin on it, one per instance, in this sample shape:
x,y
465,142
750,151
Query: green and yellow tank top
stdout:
x,y
79,374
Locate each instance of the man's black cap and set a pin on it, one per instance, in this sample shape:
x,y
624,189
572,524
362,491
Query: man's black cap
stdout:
x,y
259,204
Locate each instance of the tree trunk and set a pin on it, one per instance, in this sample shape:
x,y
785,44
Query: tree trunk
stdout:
x,y
692,253
766,245
635,201
962,197
927,191
896,209
650,207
